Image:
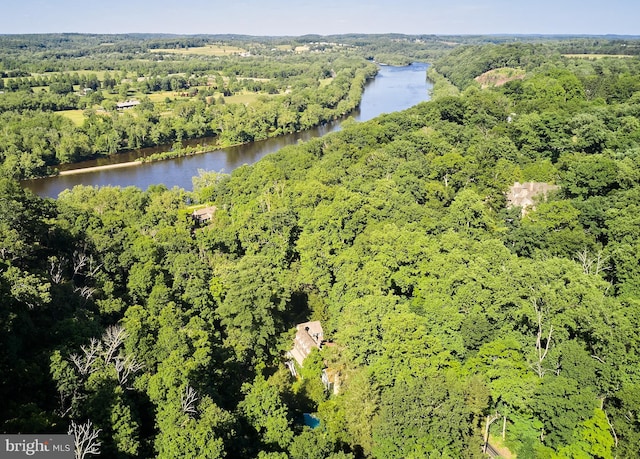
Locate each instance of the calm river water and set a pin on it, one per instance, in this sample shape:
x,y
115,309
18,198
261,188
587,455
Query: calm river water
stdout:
x,y
393,89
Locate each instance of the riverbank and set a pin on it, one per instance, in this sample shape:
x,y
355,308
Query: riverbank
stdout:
x,y
399,89
181,152
85,170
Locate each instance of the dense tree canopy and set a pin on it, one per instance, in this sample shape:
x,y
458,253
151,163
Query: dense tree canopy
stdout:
x,y
450,316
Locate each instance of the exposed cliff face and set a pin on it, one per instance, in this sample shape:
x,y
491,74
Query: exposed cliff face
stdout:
x,y
498,77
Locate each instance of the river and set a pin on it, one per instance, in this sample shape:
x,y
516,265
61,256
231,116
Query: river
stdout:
x,y
393,89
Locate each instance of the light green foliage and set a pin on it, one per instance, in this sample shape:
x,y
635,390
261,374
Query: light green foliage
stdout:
x,y
594,439
408,349
266,412
359,325
420,416
360,402
27,289
185,436
310,444
125,430
468,215
256,295
272,455
507,373
309,383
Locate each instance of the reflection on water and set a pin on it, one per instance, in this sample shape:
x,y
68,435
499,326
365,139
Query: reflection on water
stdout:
x,y
393,89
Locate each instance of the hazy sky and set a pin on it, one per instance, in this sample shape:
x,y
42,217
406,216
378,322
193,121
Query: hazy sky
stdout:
x,y
289,17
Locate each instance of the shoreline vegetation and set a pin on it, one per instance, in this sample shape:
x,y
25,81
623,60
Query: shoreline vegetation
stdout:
x,y
180,151
192,147
345,105
176,152
237,98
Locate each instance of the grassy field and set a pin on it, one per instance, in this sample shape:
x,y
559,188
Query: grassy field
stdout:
x,y
74,115
209,50
158,96
250,79
596,56
99,73
499,446
247,98
243,98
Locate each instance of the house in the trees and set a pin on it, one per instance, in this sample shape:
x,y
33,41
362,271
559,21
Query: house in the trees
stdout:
x,y
526,194
127,104
309,336
204,215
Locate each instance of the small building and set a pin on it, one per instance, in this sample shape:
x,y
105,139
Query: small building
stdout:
x,y
127,104
309,336
523,194
204,215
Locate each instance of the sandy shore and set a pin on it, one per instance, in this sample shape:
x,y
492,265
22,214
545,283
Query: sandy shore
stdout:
x,y
99,168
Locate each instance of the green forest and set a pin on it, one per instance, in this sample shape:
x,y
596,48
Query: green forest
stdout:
x,y
451,318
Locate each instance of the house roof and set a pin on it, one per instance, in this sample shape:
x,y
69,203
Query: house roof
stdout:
x,y
312,328
308,337
127,104
206,213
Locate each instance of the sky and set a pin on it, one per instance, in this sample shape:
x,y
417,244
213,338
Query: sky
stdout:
x,y
323,17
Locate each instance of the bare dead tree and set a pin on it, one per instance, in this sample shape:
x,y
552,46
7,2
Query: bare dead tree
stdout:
x,y
85,362
189,399
84,263
86,439
55,269
613,431
93,268
112,339
265,203
86,292
593,264
80,259
66,403
125,367
541,350
108,348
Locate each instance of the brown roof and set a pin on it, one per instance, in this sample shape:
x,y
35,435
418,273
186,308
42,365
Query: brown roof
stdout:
x,y
204,214
314,329
308,337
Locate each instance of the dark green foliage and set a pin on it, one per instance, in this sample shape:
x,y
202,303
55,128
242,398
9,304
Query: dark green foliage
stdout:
x,y
421,417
